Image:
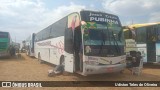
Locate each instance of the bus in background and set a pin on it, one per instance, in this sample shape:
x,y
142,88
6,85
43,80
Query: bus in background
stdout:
x,y
30,45
144,38
85,42
5,44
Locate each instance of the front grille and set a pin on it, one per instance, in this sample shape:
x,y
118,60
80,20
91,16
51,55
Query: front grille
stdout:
x,y
106,50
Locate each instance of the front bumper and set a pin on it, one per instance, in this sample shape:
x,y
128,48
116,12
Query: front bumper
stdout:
x,y
90,69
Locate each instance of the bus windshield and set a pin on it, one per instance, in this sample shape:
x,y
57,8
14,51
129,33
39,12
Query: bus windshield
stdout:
x,y
104,41
3,35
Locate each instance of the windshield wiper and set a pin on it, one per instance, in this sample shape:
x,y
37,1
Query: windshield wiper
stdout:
x,y
115,41
103,42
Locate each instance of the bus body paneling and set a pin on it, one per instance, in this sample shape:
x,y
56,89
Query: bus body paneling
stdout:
x,y
30,45
88,42
50,50
5,44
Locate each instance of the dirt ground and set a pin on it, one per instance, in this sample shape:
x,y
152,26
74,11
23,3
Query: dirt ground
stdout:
x,y
29,69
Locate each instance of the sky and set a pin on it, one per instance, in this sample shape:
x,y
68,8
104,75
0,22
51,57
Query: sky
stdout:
x,y
23,17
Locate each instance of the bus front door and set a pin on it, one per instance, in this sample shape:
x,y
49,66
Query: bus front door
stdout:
x,y
68,46
69,61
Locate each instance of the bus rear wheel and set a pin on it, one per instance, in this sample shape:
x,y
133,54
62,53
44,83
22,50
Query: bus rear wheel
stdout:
x,y
62,61
39,58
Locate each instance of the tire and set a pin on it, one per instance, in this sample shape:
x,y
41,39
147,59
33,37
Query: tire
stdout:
x,y
39,58
62,61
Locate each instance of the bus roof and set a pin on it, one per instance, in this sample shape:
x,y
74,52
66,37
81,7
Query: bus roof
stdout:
x,y
140,25
3,32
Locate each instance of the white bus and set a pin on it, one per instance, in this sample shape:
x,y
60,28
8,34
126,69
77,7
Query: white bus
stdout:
x,y
88,42
30,45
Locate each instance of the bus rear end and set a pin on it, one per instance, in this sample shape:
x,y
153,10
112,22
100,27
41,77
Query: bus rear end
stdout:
x,y
103,43
4,44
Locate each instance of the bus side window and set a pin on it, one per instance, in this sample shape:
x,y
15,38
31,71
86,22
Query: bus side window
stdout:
x,y
68,40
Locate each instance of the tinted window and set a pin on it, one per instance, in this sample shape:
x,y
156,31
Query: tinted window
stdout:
x,y
151,33
158,33
3,35
68,40
58,28
55,30
141,35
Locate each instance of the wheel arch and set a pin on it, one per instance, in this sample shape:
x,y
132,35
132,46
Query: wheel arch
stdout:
x,y
61,59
